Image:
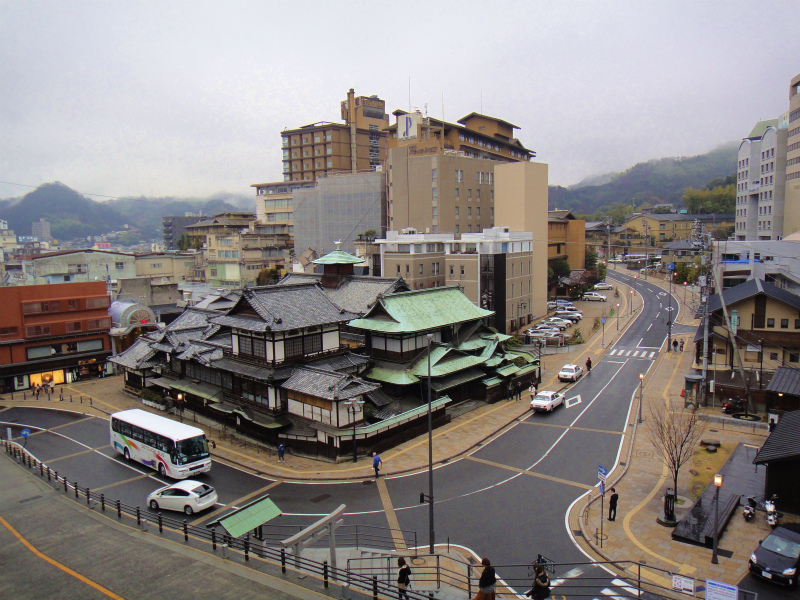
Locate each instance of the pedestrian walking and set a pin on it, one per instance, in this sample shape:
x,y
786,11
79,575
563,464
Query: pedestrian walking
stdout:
x,y
403,579
519,390
771,424
674,345
681,346
589,365
534,389
612,505
377,463
486,583
510,393
540,588
281,453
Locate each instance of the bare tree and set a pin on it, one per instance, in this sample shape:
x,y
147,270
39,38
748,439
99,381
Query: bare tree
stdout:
x,y
675,435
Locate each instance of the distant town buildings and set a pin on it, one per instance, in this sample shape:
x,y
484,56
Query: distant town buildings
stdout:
x,y
175,227
41,230
791,217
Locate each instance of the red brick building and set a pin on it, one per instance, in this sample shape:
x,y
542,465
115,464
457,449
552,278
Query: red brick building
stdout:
x,y
57,332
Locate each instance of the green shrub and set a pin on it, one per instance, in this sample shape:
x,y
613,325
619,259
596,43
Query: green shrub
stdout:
x,y
151,395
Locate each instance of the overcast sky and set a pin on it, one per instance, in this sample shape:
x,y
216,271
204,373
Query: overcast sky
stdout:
x,y
189,98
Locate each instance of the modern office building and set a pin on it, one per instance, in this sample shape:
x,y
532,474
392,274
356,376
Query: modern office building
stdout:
x,y
323,148
53,333
493,268
41,230
566,239
174,227
760,182
791,217
274,205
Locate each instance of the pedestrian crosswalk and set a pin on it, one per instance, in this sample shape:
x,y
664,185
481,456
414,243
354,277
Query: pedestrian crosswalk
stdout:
x,y
632,353
571,585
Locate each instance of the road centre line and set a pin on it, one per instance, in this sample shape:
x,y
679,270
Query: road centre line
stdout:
x,y
535,424
111,485
648,327
490,463
73,455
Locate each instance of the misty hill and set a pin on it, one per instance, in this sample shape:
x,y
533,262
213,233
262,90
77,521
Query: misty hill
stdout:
x,y
656,181
72,215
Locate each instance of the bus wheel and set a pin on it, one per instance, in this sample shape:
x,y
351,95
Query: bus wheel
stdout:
x,y
161,470
188,510
153,505
127,454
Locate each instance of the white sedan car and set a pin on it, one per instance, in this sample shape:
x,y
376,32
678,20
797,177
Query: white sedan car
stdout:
x,y
187,496
603,286
570,373
546,401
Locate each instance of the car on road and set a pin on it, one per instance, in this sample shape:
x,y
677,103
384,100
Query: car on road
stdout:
x,y
594,297
570,373
546,401
777,557
732,405
603,286
187,496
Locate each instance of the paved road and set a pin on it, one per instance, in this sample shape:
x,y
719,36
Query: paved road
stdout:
x,y
507,499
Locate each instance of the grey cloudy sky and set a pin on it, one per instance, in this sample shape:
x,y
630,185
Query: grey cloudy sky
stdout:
x,y
188,98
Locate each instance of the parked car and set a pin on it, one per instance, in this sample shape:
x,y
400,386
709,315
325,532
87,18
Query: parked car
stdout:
x,y
552,305
594,296
559,321
777,557
603,286
188,496
732,405
546,335
546,401
572,315
554,324
570,373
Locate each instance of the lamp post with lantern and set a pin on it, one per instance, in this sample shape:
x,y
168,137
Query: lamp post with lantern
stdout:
x,y
641,395
353,406
717,485
180,406
617,316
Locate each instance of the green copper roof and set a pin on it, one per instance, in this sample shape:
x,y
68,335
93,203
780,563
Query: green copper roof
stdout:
x,y
528,357
420,310
444,361
761,128
389,375
527,369
495,360
248,517
337,257
491,381
507,370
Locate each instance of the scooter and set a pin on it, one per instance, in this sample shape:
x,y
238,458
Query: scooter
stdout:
x,y
749,510
772,511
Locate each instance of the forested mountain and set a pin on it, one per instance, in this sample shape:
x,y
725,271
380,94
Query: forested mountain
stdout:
x,y
655,182
72,215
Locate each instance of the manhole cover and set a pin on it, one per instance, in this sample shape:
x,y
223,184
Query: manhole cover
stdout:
x,y
644,453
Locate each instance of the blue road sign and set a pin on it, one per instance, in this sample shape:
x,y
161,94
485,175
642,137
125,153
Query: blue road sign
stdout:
x,y
603,320
26,433
671,267
601,473
602,488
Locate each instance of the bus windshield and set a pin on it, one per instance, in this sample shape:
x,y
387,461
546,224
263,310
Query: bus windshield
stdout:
x,y
191,450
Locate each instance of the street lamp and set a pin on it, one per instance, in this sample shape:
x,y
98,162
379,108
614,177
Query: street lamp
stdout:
x,y
617,316
631,304
180,405
353,406
684,291
432,533
641,395
717,485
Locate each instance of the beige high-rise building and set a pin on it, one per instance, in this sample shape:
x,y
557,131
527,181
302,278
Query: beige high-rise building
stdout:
x,y
791,218
441,175
521,201
323,148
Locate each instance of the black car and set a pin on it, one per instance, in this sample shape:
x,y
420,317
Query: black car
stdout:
x,y
777,557
732,405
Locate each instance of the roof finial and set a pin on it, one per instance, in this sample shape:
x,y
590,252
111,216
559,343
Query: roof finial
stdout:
x,y
338,244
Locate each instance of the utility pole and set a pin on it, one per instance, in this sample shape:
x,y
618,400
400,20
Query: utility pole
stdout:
x,y
704,293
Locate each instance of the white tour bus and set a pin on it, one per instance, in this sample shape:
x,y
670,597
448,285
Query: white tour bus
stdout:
x,y
173,449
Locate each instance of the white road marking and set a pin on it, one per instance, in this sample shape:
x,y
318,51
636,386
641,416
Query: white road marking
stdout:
x,y
569,403
649,326
652,354
628,353
616,362
625,586
636,353
658,313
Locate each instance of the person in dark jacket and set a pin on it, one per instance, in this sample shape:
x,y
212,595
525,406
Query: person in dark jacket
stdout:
x,y
403,579
541,584
487,582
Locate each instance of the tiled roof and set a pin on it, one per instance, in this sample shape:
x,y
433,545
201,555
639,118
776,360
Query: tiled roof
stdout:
x,y
137,356
750,288
191,318
685,217
391,373
339,362
783,442
338,257
327,384
444,361
786,380
248,370
420,310
379,398
355,294
285,307
456,379
245,323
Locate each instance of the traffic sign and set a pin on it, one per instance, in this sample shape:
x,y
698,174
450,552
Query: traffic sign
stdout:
x,y
716,590
26,432
601,473
603,320
670,266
